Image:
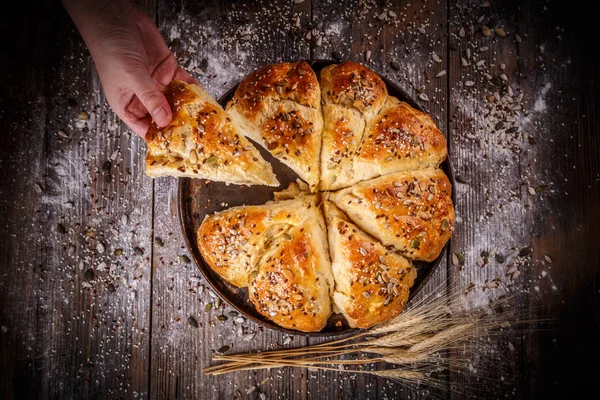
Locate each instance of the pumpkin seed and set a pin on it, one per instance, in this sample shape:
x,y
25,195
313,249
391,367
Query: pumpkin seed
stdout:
x,y
218,302
336,55
222,318
500,258
83,116
118,252
445,224
395,64
159,242
486,31
208,307
184,259
211,160
110,288
415,243
138,250
60,228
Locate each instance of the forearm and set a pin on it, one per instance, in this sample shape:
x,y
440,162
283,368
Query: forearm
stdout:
x,y
95,16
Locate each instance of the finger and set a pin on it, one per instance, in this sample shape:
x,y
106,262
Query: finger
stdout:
x,y
138,125
183,75
148,91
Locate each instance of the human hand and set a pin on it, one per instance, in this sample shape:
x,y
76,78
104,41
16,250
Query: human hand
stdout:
x,y
132,60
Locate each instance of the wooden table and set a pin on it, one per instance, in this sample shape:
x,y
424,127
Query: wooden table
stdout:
x,y
95,295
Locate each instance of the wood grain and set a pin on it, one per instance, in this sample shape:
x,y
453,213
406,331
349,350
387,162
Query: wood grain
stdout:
x,y
76,322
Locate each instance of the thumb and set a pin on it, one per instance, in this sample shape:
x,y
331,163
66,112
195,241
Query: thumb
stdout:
x,y
149,92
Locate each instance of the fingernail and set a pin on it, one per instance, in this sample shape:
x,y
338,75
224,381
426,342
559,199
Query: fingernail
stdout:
x,y
159,114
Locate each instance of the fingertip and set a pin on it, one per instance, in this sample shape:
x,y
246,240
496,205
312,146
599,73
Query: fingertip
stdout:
x,y
161,116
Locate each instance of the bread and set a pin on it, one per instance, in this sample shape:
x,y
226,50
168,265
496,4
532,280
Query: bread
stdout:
x,y
352,95
279,107
411,211
371,283
279,250
201,142
399,138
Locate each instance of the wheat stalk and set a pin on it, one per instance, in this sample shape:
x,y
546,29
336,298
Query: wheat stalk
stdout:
x,y
418,339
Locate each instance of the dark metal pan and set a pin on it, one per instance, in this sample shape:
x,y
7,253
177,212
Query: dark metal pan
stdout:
x,y
198,198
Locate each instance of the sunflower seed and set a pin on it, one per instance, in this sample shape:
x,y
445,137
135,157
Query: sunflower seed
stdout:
x,y
500,32
100,247
89,275
469,83
423,97
525,251
436,58
486,31
454,259
441,73
548,259
223,349
363,251
531,191
193,322
461,32
463,62
518,38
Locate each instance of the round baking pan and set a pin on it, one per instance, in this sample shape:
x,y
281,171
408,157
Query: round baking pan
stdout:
x,y
198,198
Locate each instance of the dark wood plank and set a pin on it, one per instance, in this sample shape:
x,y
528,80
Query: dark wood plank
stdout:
x,y
75,318
219,42
562,77
534,188
375,35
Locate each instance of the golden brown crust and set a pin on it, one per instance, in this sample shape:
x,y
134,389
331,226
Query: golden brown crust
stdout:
x,y
201,142
352,95
371,283
399,138
278,106
411,211
292,288
280,251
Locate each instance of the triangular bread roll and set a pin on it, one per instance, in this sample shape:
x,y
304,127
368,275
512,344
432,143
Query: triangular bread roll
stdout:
x,y
201,142
352,95
411,211
371,282
279,107
279,250
399,138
